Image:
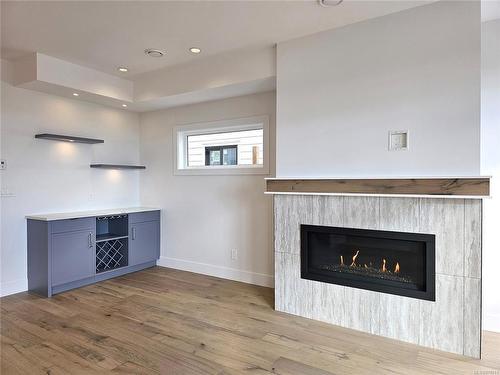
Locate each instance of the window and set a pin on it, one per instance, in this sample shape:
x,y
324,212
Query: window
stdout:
x,y
221,155
224,147
242,147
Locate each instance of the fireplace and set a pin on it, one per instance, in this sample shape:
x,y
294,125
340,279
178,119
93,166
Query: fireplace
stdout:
x,y
390,262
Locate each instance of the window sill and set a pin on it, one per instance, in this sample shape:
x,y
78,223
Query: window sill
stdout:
x,y
225,171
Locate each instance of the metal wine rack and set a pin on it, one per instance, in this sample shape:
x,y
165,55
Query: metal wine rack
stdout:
x,y
110,255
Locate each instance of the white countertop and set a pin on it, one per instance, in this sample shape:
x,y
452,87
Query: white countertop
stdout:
x,y
92,213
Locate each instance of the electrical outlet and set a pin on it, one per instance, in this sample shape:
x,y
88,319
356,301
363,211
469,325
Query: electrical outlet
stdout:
x,y
234,254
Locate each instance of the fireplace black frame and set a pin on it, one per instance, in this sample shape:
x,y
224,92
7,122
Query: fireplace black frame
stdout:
x,y
428,294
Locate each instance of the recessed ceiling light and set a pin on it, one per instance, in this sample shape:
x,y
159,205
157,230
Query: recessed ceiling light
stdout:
x,y
124,105
123,69
154,52
195,50
76,94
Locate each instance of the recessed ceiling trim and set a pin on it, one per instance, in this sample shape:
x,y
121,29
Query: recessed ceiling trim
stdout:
x,y
39,73
76,82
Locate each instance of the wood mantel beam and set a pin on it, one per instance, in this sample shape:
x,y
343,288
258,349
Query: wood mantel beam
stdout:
x,y
460,186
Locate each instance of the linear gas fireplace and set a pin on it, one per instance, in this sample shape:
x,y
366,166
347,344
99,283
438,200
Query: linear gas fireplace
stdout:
x,y
390,262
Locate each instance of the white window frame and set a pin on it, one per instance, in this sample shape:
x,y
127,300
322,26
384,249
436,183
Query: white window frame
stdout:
x,y
180,149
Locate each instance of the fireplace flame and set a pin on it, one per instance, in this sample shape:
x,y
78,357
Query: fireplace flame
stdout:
x,y
353,264
386,268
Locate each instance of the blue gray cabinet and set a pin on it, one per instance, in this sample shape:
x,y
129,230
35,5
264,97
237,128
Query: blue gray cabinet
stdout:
x,y
73,256
144,240
69,253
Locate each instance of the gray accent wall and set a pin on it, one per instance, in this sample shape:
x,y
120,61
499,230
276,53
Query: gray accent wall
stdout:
x,y
452,323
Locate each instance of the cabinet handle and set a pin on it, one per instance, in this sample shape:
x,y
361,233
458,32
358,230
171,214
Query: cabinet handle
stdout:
x,y
90,239
133,233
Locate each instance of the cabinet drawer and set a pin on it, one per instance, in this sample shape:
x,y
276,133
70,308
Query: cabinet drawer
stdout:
x,y
70,225
140,217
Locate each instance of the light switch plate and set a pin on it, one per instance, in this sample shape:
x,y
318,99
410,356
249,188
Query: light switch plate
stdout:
x,y
398,140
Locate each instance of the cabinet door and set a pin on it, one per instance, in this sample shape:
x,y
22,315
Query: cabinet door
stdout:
x,y
144,243
73,256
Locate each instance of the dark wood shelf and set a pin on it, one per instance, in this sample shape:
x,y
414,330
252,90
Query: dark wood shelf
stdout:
x,y
117,166
68,138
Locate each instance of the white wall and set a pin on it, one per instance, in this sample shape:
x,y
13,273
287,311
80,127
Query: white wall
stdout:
x,y
490,165
48,176
204,217
339,92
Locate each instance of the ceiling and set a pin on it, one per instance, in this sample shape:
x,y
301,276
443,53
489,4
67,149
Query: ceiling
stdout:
x,y
106,34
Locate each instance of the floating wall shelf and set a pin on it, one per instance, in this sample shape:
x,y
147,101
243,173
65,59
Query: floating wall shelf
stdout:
x,y
117,166
68,138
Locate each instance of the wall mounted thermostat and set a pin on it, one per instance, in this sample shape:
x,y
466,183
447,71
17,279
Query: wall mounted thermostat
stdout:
x,y
398,140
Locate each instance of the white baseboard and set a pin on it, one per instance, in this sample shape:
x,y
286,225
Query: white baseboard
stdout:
x,y
13,287
21,285
491,322
218,271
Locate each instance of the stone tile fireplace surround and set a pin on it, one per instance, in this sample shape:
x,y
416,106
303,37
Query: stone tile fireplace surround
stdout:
x,y
450,323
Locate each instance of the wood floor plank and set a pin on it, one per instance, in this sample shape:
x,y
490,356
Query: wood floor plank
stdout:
x,y
285,366
164,321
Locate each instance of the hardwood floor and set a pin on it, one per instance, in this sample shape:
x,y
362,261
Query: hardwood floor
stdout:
x,y
173,322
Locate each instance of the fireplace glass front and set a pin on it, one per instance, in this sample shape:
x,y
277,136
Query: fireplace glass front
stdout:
x,y
391,262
